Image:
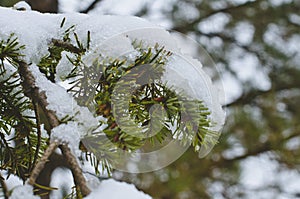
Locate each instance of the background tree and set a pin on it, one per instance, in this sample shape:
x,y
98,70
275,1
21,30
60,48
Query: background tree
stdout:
x,y
255,43
42,6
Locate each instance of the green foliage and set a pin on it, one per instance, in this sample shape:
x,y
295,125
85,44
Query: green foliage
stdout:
x,y
188,117
18,130
8,3
183,119
10,50
49,62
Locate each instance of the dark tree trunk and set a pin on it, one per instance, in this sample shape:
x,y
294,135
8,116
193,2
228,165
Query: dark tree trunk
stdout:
x,y
44,5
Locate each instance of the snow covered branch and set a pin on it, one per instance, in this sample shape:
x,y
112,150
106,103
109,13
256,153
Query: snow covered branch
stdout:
x,y
33,92
107,86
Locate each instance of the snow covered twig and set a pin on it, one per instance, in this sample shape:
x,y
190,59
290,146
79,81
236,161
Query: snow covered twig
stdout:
x,y
33,92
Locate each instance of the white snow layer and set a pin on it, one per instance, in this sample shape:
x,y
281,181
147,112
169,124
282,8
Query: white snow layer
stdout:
x,y
64,67
63,104
21,192
12,181
115,190
186,75
103,189
22,5
67,134
111,37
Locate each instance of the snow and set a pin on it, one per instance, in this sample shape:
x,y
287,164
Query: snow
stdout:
x,y
15,184
13,180
67,134
115,190
38,29
100,188
21,192
22,5
9,71
112,37
61,178
195,83
34,38
92,181
63,104
64,67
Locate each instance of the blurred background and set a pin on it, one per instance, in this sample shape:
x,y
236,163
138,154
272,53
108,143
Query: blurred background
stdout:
x,y
256,48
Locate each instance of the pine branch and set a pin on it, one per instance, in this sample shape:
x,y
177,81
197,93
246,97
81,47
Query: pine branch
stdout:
x,y
91,6
9,49
33,92
76,170
250,96
14,104
50,61
17,159
68,46
187,118
186,27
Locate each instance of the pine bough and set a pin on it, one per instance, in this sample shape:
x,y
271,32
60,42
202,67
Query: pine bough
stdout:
x,y
97,87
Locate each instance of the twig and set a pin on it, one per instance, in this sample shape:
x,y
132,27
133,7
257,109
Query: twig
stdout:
x,y
65,45
250,96
33,92
76,170
231,8
189,26
4,187
41,164
39,134
91,6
